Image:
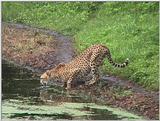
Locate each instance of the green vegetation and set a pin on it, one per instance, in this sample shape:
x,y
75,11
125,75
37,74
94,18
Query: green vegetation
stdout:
x,y
19,109
129,29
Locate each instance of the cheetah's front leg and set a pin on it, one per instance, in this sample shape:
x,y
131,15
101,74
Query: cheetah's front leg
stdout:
x,y
72,79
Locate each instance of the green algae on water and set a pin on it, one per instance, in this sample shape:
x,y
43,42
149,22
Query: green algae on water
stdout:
x,y
16,109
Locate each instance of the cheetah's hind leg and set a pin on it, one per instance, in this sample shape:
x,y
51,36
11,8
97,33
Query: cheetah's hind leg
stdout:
x,y
95,74
94,69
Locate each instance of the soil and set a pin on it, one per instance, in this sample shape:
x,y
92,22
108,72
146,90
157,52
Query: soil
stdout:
x,y
40,49
36,49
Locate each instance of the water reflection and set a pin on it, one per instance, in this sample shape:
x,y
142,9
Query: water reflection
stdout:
x,y
55,94
17,82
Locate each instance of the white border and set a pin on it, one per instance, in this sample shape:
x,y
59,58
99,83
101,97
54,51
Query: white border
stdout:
x,y
159,60
65,1
0,66
85,0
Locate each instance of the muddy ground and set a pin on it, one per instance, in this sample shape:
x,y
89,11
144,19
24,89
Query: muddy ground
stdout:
x,y
40,50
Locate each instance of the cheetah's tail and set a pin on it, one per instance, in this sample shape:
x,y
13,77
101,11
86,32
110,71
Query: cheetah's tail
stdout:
x,y
116,64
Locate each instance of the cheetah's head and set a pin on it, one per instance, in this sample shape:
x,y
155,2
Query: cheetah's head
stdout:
x,y
51,75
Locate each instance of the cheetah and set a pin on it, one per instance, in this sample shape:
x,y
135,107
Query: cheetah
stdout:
x,y
80,67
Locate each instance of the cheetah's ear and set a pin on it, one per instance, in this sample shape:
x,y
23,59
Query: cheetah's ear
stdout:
x,y
60,65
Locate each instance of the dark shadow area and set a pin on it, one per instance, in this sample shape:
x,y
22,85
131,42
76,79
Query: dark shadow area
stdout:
x,y
50,116
101,114
17,82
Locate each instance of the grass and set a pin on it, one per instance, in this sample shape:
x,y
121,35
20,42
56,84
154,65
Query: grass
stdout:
x,y
129,29
64,17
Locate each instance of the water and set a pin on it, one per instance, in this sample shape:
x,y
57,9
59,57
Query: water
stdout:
x,y
24,98
17,82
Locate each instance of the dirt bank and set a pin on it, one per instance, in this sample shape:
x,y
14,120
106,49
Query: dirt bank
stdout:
x,y
40,49
35,48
